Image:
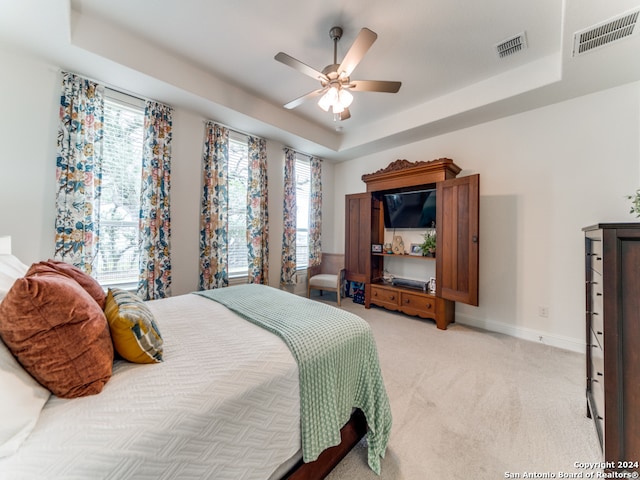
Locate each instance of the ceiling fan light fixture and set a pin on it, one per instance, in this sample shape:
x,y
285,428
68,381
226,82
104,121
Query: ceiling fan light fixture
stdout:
x,y
323,103
345,97
336,98
329,99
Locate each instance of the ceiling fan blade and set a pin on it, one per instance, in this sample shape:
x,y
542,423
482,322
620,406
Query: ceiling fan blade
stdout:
x,y
300,100
374,86
345,114
301,67
360,46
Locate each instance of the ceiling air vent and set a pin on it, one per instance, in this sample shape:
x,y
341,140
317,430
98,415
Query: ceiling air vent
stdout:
x,y
512,45
604,33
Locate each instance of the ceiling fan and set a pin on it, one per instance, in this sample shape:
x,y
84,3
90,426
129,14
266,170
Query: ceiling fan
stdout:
x,y
335,80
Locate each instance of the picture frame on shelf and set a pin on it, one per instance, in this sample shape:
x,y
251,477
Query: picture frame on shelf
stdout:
x,y
415,250
376,248
432,285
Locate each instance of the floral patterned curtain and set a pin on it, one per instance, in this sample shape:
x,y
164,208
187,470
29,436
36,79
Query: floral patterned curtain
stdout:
x,y
315,212
79,171
257,213
214,209
290,221
155,219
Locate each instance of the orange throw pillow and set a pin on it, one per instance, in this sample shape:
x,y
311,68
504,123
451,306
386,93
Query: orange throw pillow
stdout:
x,y
58,333
87,282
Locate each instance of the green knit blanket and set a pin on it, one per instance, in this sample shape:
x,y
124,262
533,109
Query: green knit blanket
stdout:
x,y
337,360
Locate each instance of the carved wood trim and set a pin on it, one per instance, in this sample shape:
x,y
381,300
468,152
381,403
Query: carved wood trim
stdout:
x,y
403,173
402,164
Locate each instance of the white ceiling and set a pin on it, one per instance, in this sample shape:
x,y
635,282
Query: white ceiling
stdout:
x,y
216,58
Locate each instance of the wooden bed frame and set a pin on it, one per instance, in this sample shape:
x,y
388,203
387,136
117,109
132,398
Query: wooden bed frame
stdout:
x,y
350,435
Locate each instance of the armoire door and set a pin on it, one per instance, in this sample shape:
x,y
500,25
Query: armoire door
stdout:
x,y
357,249
457,237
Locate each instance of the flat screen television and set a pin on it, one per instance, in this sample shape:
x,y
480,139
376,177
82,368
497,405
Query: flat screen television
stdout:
x,y
410,209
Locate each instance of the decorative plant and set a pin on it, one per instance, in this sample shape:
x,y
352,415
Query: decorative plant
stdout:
x,y
428,246
635,203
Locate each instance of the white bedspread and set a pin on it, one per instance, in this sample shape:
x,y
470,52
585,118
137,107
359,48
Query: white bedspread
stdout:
x,y
223,405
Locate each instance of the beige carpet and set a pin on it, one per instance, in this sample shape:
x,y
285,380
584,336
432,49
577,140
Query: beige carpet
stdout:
x,y
471,404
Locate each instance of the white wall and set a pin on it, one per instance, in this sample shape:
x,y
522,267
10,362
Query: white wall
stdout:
x,y
30,102
30,95
544,175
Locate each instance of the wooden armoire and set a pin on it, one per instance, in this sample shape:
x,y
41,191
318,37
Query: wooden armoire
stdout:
x,y
457,234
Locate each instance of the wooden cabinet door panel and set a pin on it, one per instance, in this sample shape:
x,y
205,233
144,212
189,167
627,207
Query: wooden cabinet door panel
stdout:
x,y
628,335
457,225
358,237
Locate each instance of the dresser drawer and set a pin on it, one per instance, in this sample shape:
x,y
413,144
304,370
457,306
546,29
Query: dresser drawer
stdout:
x,y
594,255
596,408
597,379
411,302
595,281
596,263
597,393
384,297
597,313
597,358
595,247
597,333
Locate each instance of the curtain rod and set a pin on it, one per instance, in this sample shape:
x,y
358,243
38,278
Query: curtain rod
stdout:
x,y
252,135
304,154
114,88
235,130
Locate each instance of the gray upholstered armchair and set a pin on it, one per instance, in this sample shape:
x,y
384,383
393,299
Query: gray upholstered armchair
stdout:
x,y
328,276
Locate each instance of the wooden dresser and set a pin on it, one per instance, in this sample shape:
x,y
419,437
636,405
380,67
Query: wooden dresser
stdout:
x,y
612,274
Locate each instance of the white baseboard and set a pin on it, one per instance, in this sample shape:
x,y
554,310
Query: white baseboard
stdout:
x,y
566,343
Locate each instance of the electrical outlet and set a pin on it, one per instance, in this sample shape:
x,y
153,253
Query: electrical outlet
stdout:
x,y
543,311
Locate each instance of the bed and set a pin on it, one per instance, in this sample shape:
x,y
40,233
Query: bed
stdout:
x,y
227,398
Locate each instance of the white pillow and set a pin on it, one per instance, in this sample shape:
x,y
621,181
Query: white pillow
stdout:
x,y
10,270
21,400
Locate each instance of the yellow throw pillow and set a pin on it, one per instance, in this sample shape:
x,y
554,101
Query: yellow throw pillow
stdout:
x,y
134,332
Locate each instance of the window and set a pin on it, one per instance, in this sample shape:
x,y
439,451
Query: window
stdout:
x,y
303,189
237,212
118,256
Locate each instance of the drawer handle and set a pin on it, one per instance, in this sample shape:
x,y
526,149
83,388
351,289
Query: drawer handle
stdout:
x,y
392,297
594,380
591,282
428,305
598,294
595,346
375,294
600,418
599,333
599,374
